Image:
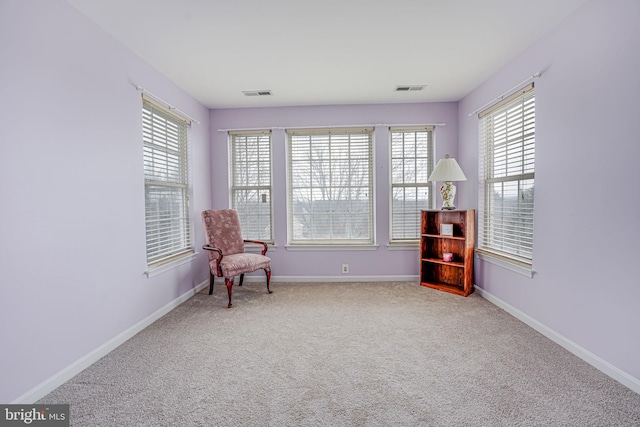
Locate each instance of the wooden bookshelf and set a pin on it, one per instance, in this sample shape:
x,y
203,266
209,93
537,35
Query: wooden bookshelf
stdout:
x,y
455,276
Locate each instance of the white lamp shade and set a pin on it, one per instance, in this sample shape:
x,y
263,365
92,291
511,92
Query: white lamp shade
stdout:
x,y
447,169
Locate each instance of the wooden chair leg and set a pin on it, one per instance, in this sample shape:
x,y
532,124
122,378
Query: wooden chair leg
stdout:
x,y
241,279
268,271
229,283
211,278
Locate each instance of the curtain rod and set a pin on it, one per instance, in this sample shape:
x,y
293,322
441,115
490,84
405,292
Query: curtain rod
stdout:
x,y
328,127
166,104
501,97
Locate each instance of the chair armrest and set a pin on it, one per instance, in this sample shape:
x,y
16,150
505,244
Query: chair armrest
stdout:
x,y
214,249
211,248
220,255
260,242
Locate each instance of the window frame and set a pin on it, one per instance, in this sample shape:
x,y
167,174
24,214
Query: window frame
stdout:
x,y
425,171
358,138
505,232
165,140
235,186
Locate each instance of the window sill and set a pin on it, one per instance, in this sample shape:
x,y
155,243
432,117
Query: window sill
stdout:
x,y
403,246
367,247
155,270
516,266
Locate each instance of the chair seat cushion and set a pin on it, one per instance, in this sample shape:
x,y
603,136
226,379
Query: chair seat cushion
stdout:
x,y
235,264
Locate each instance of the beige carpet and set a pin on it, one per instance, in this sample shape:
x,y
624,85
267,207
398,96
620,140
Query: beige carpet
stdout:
x,y
343,354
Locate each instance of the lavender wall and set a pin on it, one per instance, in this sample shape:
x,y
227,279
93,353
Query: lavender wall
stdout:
x,y
288,263
72,246
586,285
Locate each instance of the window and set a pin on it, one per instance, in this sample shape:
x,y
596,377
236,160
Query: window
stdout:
x,y
411,192
507,153
251,183
330,180
165,183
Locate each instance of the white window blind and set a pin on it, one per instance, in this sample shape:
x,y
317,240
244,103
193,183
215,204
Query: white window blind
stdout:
x,y
330,181
506,188
251,183
411,192
166,183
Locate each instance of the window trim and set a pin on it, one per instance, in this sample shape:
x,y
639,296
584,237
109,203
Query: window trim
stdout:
x,y
410,243
511,261
520,267
186,253
329,244
168,264
233,188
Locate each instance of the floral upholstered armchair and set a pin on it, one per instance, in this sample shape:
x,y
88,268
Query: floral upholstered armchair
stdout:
x,y
225,247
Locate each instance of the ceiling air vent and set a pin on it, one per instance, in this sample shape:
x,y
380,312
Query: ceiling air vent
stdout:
x,y
257,92
409,88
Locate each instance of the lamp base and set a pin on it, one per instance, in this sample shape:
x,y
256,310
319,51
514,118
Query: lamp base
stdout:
x,y
448,192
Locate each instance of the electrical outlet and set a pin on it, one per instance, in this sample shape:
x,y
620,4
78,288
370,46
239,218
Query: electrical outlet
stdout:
x,y
345,268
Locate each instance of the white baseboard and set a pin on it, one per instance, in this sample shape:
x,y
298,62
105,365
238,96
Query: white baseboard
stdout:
x,y
345,278
597,362
46,387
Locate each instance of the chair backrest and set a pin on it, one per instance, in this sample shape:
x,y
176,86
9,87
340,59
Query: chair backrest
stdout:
x,y
222,230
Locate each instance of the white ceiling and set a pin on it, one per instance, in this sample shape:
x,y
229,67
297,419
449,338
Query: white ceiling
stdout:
x,y
326,52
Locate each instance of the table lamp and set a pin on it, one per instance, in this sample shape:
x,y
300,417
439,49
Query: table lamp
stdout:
x,y
447,170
